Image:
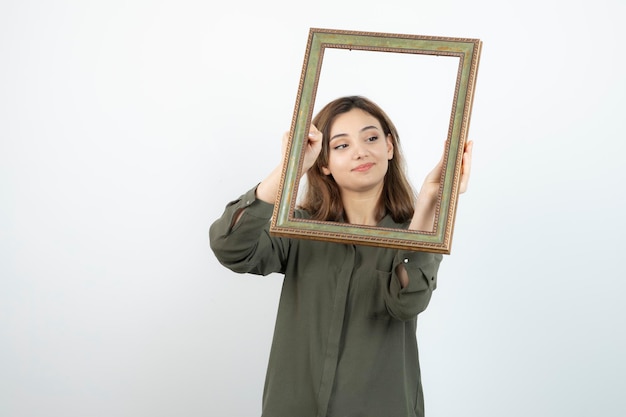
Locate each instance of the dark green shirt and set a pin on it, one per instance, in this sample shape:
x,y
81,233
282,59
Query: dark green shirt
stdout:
x,y
344,342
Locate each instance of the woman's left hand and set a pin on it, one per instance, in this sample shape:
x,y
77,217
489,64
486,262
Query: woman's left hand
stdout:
x,y
424,214
431,183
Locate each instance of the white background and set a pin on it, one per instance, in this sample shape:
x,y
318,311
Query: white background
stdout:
x,y
126,126
415,90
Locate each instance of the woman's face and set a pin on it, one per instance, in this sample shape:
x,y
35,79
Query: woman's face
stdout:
x,y
359,152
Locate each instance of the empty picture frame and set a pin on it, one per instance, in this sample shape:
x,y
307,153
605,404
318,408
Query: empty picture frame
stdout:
x,y
430,80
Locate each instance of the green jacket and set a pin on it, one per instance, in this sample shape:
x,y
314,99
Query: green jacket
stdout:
x,y
345,336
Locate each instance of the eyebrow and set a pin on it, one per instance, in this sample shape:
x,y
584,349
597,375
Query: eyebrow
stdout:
x,y
339,135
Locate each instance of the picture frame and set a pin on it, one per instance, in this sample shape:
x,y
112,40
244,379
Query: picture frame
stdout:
x,y
462,86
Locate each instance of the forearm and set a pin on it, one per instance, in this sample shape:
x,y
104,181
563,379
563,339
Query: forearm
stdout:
x,y
268,188
425,207
246,246
423,219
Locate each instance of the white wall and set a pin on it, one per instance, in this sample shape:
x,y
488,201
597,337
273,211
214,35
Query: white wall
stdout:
x,y
126,126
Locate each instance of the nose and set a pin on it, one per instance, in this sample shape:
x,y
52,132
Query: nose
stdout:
x,y
359,150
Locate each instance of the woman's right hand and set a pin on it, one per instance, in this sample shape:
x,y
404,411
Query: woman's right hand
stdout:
x,y
268,188
312,150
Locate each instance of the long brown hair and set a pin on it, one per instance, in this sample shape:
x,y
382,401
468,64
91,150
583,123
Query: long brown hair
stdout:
x,y
322,198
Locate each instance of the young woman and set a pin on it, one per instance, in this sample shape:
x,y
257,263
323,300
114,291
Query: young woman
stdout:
x,y
345,337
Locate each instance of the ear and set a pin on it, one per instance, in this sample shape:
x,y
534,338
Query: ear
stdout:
x,y
389,147
326,171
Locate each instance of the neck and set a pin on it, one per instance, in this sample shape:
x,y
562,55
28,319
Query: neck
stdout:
x,y
361,208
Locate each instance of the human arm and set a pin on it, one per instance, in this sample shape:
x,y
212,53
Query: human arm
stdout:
x,y
424,214
405,300
240,238
268,188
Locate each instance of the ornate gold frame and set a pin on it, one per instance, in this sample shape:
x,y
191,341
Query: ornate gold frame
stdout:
x,y
440,239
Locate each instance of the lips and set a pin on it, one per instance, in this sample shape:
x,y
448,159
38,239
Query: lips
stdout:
x,y
363,167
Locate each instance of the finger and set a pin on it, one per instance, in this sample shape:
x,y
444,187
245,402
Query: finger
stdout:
x,y
467,156
314,134
313,128
466,166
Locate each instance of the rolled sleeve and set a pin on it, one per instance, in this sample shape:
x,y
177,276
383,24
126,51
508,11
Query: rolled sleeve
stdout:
x,y
245,245
416,262
248,201
421,267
